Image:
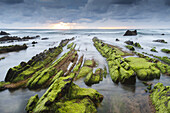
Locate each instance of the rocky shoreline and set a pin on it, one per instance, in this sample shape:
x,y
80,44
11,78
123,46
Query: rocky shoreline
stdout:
x,y
46,70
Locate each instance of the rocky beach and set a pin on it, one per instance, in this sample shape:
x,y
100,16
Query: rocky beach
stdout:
x,y
85,71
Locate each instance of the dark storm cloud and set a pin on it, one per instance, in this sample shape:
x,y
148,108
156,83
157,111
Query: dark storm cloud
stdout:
x,y
51,11
12,1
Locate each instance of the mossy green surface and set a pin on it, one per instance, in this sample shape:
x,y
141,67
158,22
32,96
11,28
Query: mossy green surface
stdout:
x,y
2,58
127,76
115,62
137,45
144,70
25,70
63,96
130,47
160,98
89,63
77,67
76,92
32,103
153,50
84,105
70,45
84,71
56,91
165,50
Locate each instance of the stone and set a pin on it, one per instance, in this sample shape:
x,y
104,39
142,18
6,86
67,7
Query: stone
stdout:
x,y
130,33
4,33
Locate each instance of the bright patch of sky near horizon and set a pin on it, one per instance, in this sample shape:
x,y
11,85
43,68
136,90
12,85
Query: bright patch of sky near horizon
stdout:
x,y
84,14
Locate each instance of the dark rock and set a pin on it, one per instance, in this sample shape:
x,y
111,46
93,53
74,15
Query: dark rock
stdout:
x,y
160,40
130,33
44,38
34,42
5,49
4,33
37,36
10,38
117,39
162,34
15,38
129,42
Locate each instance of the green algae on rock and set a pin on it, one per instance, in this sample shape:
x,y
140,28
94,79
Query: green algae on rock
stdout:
x,y
70,45
2,85
2,58
130,47
64,96
144,70
32,103
160,98
25,70
137,45
120,71
84,71
164,68
94,78
153,50
89,63
11,48
165,50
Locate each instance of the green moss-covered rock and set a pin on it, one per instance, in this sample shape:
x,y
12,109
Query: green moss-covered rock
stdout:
x,y
165,50
153,50
84,71
87,80
84,105
70,45
137,45
127,76
41,78
144,70
2,85
166,59
25,70
160,98
114,73
55,92
2,58
90,63
77,67
130,47
63,96
32,103
78,93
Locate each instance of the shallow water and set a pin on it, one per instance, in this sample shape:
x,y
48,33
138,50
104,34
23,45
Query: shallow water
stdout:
x,y
117,98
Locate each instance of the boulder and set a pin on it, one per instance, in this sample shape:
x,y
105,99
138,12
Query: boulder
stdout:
x,y
4,33
117,39
129,42
130,33
34,42
160,40
44,38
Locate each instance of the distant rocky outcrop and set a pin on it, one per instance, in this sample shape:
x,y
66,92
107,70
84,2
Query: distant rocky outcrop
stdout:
x,y
44,38
117,39
16,38
129,42
5,49
160,40
4,33
130,33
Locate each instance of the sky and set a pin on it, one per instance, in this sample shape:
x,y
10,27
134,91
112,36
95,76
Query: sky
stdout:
x,y
84,14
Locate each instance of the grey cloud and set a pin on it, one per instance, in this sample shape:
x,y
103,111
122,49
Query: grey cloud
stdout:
x,y
51,11
12,1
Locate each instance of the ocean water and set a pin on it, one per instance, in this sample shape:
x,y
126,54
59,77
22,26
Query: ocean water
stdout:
x,y
117,98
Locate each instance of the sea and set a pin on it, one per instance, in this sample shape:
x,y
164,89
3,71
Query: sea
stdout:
x,y
118,98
